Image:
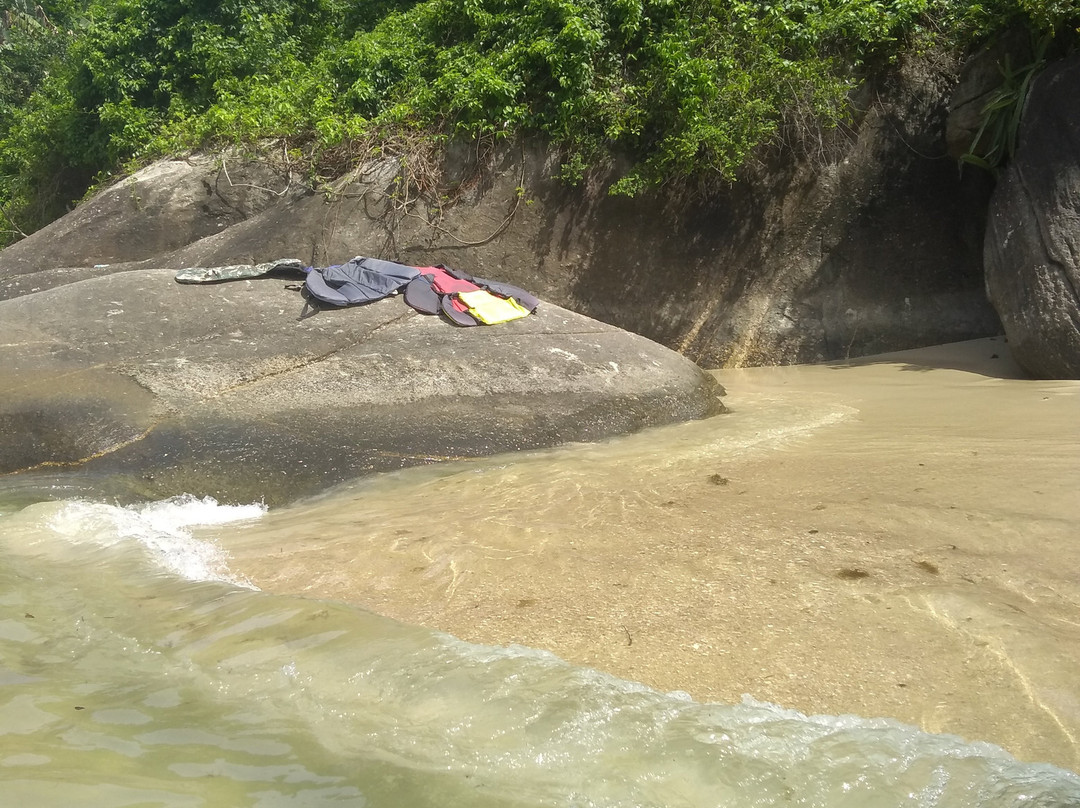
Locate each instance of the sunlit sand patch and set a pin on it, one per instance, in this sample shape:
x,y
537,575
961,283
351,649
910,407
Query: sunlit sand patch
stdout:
x,y
821,546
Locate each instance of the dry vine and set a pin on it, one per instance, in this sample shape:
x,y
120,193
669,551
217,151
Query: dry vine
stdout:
x,y
420,180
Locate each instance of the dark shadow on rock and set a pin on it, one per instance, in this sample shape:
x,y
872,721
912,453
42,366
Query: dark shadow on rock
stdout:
x,y
987,357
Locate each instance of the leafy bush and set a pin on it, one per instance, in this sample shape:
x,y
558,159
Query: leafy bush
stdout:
x,y
684,88
33,40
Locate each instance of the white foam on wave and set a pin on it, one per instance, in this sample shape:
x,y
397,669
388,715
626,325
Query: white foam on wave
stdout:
x,y
532,723
163,529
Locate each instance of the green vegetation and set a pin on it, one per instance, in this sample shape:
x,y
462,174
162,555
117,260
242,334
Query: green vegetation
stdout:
x,y
683,88
995,140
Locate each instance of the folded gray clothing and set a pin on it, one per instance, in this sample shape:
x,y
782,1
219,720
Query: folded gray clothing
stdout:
x,y
361,280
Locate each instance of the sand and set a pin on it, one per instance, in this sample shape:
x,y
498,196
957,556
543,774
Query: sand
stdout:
x,y
897,536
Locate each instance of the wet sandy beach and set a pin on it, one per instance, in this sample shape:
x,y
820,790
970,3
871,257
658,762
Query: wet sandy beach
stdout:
x,y
897,536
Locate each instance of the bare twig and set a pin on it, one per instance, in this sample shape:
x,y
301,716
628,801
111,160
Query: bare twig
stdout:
x,y
11,221
495,233
225,168
418,181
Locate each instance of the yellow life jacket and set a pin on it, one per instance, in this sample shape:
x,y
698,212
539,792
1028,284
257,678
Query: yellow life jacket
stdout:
x,y
491,309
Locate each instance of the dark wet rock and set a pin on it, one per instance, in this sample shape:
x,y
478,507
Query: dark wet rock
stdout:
x,y
1033,236
237,390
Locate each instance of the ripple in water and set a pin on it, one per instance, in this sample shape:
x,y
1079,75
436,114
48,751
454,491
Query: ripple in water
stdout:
x,y
123,684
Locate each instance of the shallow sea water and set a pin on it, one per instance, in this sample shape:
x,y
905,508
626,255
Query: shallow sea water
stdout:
x,y
144,662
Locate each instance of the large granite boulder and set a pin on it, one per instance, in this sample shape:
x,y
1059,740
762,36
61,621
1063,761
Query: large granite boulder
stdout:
x,y
164,206
241,391
865,239
1033,235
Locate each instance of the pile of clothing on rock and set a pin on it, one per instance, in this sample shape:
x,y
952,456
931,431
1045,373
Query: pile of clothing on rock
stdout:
x,y
462,298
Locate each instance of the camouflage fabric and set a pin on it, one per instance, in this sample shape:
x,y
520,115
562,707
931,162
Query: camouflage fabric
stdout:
x,y
236,272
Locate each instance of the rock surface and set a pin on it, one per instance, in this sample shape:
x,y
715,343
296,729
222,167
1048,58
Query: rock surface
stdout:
x,y
867,241
1033,235
166,205
236,390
